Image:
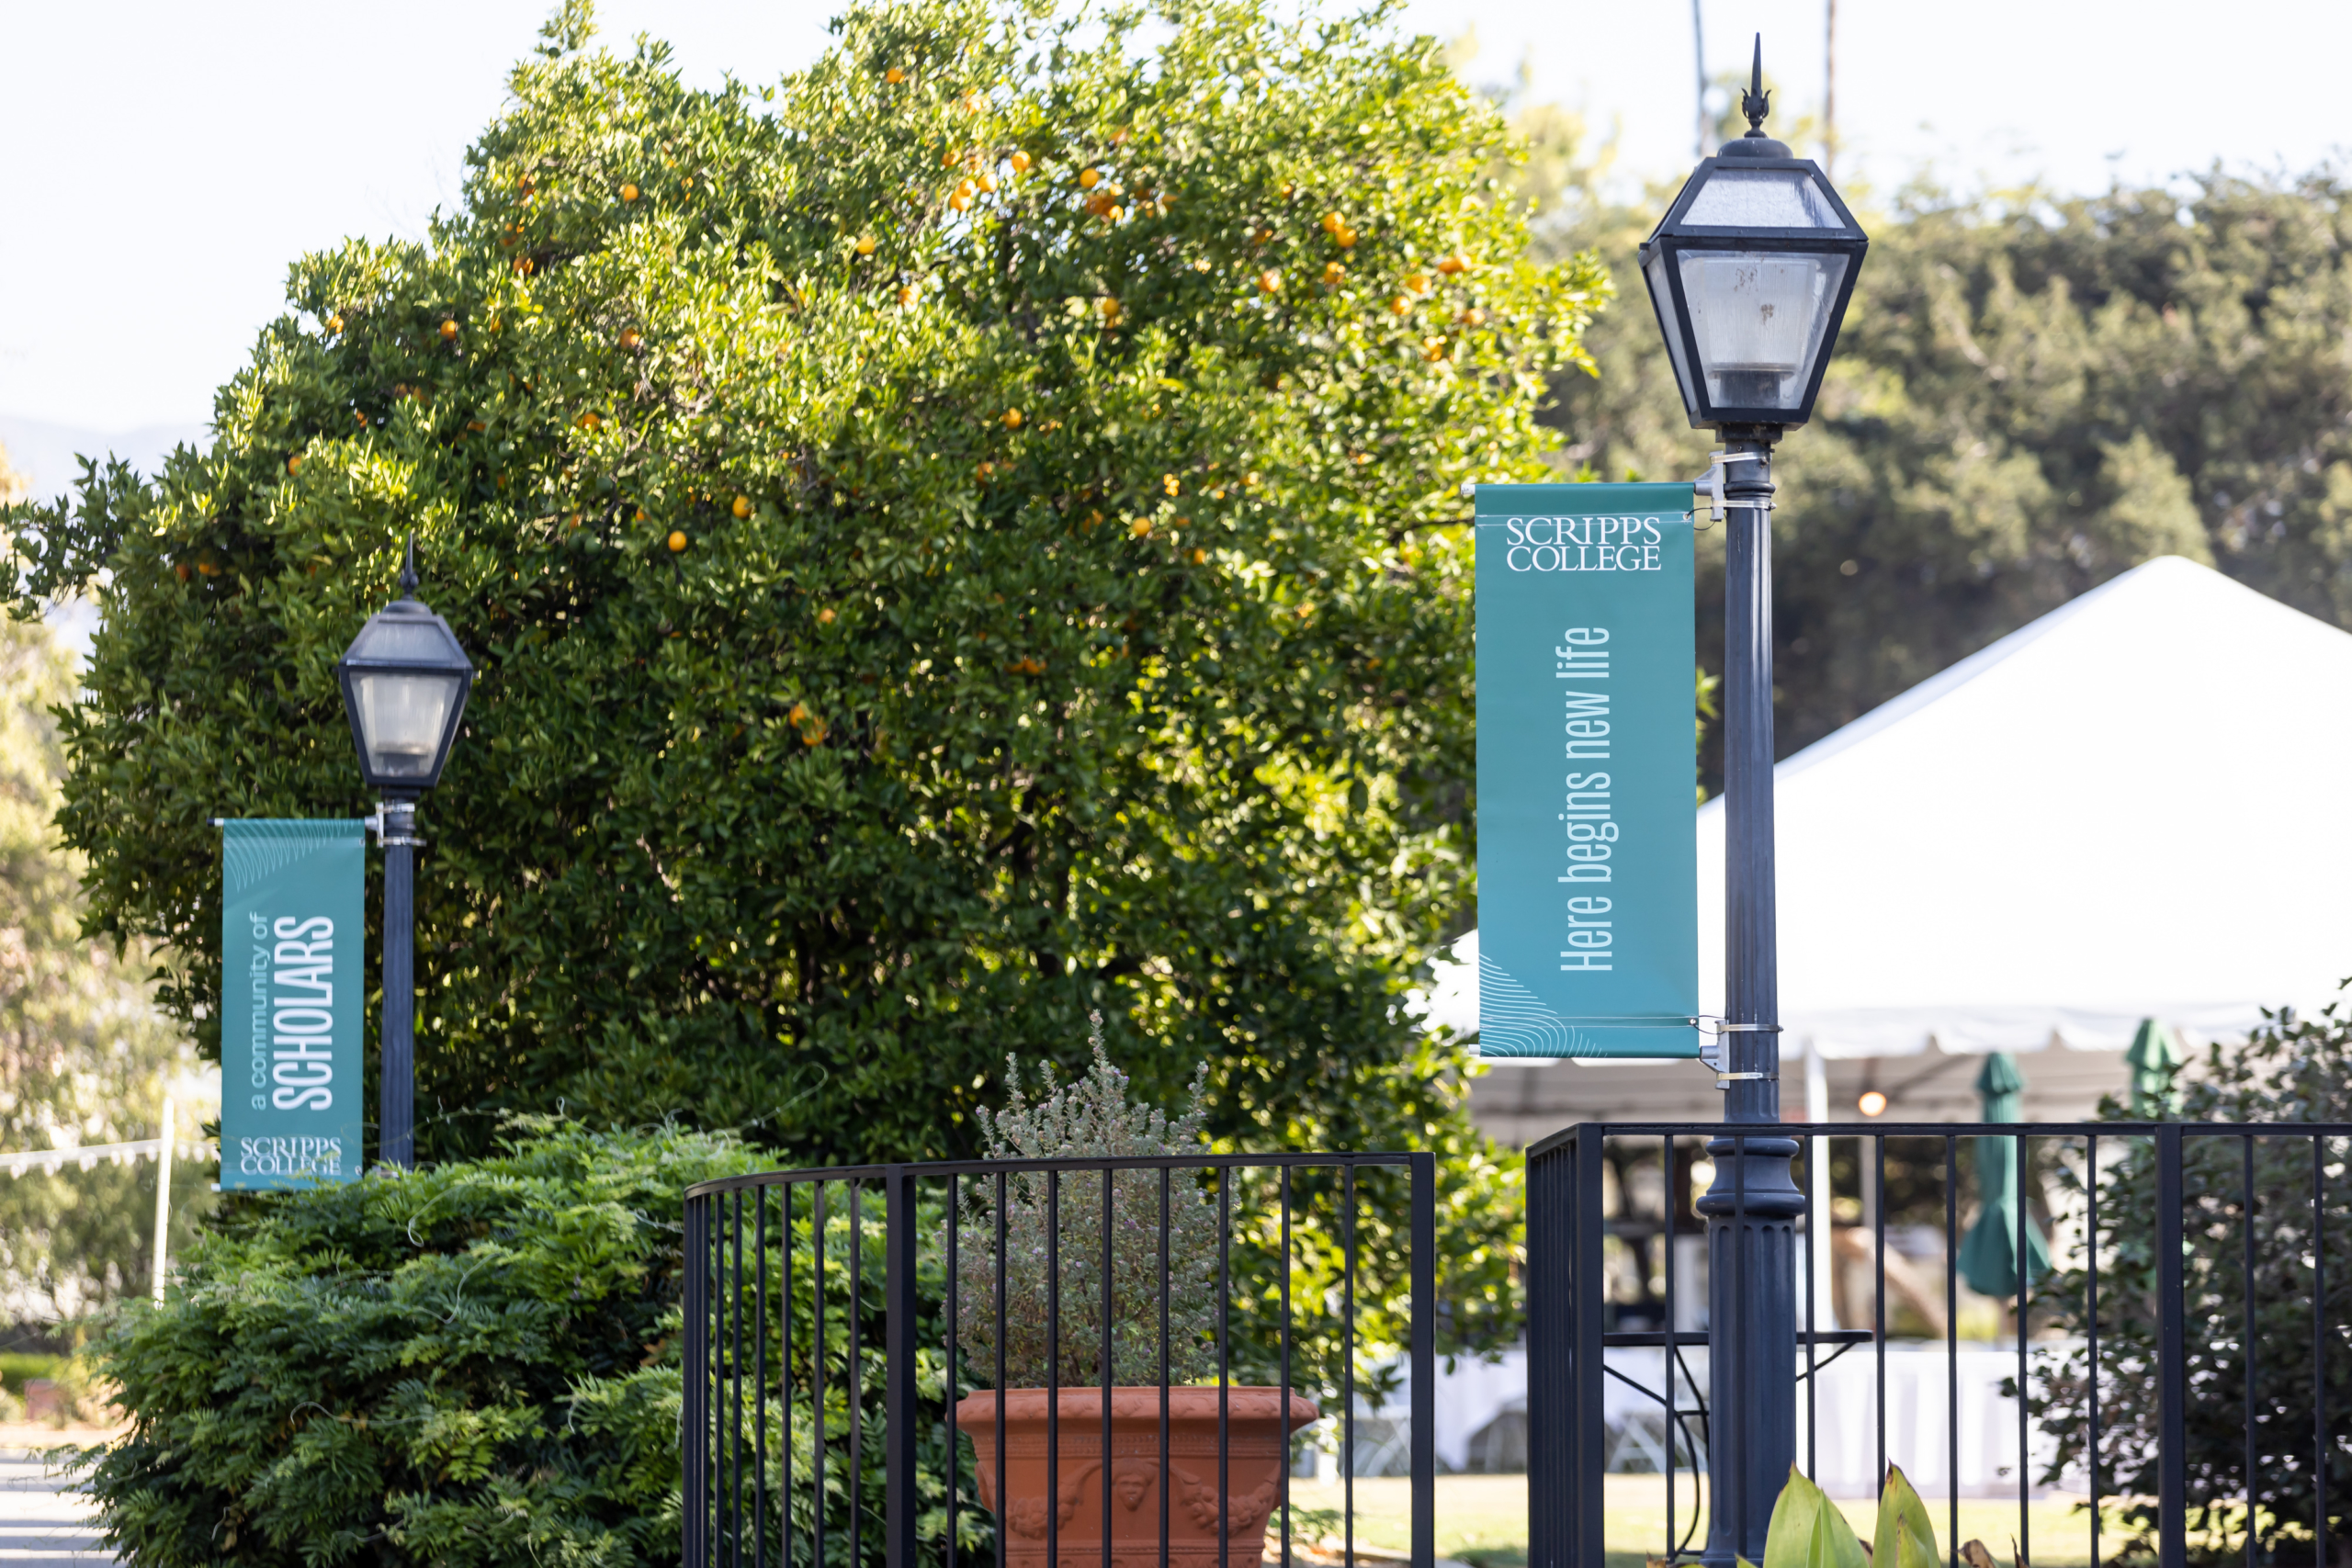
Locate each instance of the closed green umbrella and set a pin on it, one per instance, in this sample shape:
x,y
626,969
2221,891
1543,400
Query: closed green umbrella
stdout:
x,y
2154,1057
1988,1259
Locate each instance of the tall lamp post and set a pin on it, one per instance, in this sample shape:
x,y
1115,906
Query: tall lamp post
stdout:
x,y
404,684
1750,272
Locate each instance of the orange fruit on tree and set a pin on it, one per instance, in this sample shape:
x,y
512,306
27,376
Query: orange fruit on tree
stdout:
x,y
1269,280
1449,265
894,75
1418,282
866,244
677,540
335,323
1020,162
629,338
294,464
743,506
1400,305
628,193
449,331
906,295
1089,178
1332,273
1333,222
1013,419
1434,349
824,617
1473,317
1347,238
1140,527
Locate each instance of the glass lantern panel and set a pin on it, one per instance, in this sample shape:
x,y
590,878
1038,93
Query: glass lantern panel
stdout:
x,y
401,717
1762,199
1655,274
1758,318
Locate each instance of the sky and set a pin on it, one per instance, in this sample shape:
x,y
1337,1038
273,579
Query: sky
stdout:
x,y
164,162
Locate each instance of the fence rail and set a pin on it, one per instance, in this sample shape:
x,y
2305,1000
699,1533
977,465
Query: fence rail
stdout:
x,y
845,1325
2175,1357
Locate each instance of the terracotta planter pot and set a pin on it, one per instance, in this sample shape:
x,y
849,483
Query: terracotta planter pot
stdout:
x,y
1255,1448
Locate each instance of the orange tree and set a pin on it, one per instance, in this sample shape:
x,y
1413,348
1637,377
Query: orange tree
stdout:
x,y
969,536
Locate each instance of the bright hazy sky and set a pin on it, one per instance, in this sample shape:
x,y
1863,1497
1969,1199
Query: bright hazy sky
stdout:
x,y
166,160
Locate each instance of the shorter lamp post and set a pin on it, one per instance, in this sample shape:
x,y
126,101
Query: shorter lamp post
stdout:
x,y
1750,271
404,684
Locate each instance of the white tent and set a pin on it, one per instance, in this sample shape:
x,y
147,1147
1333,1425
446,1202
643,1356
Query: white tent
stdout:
x,y
2140,805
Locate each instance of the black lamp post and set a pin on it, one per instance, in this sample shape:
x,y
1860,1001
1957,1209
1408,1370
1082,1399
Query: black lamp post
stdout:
x,y
404,683
1750,271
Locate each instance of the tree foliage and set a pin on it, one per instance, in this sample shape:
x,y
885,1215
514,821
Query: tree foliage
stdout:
x,y
965,537
84,1054
2032,393
2290,1189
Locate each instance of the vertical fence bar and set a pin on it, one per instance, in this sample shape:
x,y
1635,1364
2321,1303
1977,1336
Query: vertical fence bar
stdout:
x,y
2319,1443
899,1342
1224,1370
1587,1307
1004,1502
784,1381
2245,1210
818,1427
760,1377
1161,1485
1104,1343
2172,1381
1672,1362
1813,1147
1347,1372
735,1379
1952,1343
1877,1297
1053,1370
853,1372
2025,1400
1424,1352
1283,1397
694,1435
953,1377
2091,1336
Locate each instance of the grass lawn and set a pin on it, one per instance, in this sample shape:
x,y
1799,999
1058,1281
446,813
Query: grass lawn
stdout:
x,y
1482,1519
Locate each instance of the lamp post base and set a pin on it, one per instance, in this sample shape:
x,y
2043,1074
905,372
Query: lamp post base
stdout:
x,y
1751,1209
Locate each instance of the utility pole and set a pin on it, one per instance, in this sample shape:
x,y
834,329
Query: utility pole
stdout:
x,y
1699,64
1829,92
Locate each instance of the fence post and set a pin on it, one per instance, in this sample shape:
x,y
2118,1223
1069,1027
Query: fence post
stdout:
x,y
1424,1351
1547,1470
2172,1351
898,1387
1587,1307
694,1427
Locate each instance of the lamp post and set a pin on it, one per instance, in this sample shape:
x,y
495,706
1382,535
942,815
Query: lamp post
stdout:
x,y
404,683
1750,271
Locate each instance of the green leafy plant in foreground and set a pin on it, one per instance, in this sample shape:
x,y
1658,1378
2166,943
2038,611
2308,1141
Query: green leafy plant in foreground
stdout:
x,y
473,1364
1808,1530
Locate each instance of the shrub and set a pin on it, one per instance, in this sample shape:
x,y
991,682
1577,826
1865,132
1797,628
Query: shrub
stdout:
x,y
472,1363
2292,1070
1090,1119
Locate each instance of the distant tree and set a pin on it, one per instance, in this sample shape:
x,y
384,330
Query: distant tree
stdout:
x,y
85,1053
2033,393
969,536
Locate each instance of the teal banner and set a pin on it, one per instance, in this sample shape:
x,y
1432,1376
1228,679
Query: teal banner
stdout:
x,y
293,951
1588,831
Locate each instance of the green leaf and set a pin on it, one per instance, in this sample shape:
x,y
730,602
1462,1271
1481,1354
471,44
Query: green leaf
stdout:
x,y
1903,1531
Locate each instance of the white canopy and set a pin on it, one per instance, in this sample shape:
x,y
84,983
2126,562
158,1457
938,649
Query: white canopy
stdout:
x,y
2140,805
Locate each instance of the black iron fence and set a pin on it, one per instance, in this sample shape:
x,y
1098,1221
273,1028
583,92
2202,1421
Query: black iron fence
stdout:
x,y
1123,1360
2176,1314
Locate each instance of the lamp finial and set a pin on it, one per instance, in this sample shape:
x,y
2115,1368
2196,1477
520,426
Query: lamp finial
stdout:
x,y
408,568
1755,103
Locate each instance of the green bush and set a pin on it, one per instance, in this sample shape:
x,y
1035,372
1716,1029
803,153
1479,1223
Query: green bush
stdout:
x,y
473,1364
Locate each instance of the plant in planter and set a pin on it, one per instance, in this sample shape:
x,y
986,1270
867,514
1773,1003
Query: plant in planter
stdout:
x,y
1051,1344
